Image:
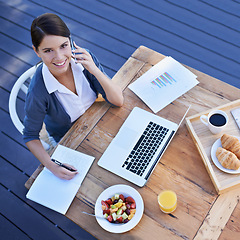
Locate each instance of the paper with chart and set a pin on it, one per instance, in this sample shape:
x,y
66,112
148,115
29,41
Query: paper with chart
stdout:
x,y
55,193
163,83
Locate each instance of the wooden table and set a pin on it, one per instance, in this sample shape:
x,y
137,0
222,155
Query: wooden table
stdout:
x,y
201,212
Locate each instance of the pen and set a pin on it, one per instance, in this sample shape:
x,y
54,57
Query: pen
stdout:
x,y
62,165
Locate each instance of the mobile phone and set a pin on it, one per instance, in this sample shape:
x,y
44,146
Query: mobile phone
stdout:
x,y
71,42
72,47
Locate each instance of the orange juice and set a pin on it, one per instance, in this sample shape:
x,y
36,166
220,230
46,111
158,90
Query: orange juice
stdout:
x,y
167,201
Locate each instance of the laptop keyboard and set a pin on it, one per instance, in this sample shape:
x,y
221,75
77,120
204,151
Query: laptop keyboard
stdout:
x,y
147,145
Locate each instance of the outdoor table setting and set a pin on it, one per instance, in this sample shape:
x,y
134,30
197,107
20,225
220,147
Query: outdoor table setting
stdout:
x,y
204,197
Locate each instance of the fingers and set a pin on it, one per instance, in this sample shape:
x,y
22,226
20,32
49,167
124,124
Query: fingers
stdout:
x,y
67,177
67,174
77,58
78,50
75,45
72,168
82,56
79,53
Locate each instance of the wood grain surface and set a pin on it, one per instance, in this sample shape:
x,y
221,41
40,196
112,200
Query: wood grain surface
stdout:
x,y
201,212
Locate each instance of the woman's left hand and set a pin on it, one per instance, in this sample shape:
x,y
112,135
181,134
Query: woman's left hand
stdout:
x,y
80,55
113,92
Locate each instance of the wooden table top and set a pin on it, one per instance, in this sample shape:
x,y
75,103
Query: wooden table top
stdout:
x,y
201,212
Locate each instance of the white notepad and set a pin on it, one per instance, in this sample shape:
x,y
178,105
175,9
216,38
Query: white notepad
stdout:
x,y
163,83
55,193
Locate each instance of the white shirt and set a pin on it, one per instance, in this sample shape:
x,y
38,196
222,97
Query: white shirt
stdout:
x,y
74,105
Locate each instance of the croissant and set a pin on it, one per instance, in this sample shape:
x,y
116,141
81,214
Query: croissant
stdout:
x,y
228,159
231,143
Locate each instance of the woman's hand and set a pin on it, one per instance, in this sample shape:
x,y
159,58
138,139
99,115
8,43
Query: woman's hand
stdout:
x,y
113,91
35,146
62,172
82,56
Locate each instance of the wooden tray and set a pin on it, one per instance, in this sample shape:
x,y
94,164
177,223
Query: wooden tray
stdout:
x,y
204,140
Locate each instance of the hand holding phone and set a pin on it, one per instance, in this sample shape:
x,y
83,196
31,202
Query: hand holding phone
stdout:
x,y
73,49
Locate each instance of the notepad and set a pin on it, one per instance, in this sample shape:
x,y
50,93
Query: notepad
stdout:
x,y
55,193
163,83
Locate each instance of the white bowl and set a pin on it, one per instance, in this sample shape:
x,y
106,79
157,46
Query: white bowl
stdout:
x,y
126,191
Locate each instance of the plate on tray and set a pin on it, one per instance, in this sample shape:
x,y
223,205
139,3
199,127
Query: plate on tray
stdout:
x,y
217,144
126,191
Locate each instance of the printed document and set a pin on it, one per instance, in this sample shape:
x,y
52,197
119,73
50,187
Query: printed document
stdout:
x,y
55,193
163,83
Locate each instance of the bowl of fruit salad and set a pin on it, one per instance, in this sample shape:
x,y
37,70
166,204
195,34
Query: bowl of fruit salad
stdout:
x,y
120,207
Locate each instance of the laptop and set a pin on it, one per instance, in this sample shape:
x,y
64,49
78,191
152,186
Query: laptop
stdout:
x,y
138,146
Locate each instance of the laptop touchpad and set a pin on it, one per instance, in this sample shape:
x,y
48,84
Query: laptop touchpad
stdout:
x,y
126,138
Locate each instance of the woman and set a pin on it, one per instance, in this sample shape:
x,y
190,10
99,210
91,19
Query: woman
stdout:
x,y
62,88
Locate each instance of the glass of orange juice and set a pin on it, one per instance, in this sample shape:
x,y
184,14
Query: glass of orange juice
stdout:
x,y
167,201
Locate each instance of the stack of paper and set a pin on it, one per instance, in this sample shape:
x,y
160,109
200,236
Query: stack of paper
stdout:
x,y
163,83
55,193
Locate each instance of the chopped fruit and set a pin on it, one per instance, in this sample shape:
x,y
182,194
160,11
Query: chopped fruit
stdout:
x,y
109,201
118,205
130,200
120,219
133,206
124,216
112,210
133,211
114,215
130,216
124,207
110,218
105,204
119,209
122,197
106,211
103,207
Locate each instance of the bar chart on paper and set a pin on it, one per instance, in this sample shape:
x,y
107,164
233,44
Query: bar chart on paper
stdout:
x,y
163,83
163,80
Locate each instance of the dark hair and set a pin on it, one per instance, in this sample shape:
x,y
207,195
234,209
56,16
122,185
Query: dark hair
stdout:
x,y
47,24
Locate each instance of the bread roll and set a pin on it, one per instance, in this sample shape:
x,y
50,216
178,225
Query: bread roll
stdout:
x,y
227,159
231,143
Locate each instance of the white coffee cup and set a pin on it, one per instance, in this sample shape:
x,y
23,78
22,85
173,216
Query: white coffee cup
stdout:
x,y
216,121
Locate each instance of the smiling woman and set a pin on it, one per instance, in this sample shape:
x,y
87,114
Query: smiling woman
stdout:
x,y
62,88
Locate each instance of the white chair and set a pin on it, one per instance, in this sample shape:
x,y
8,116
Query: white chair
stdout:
x,y
20,84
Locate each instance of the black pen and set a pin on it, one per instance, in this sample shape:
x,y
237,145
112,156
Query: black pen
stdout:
x,y
62,165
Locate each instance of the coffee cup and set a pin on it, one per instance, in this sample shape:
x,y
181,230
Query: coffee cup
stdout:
x,y
216,121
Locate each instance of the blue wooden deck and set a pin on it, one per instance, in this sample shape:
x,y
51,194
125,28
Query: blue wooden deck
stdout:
x,y
199,33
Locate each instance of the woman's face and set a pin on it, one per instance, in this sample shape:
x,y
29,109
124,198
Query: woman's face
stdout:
x,y
55,52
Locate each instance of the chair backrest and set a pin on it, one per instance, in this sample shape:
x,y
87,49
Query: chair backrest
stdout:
x,y
20,85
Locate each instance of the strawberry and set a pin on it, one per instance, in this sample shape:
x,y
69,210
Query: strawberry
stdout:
x,y
120,219
109,201
106,211
105,204
130,200
122,197
110,218
133,205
